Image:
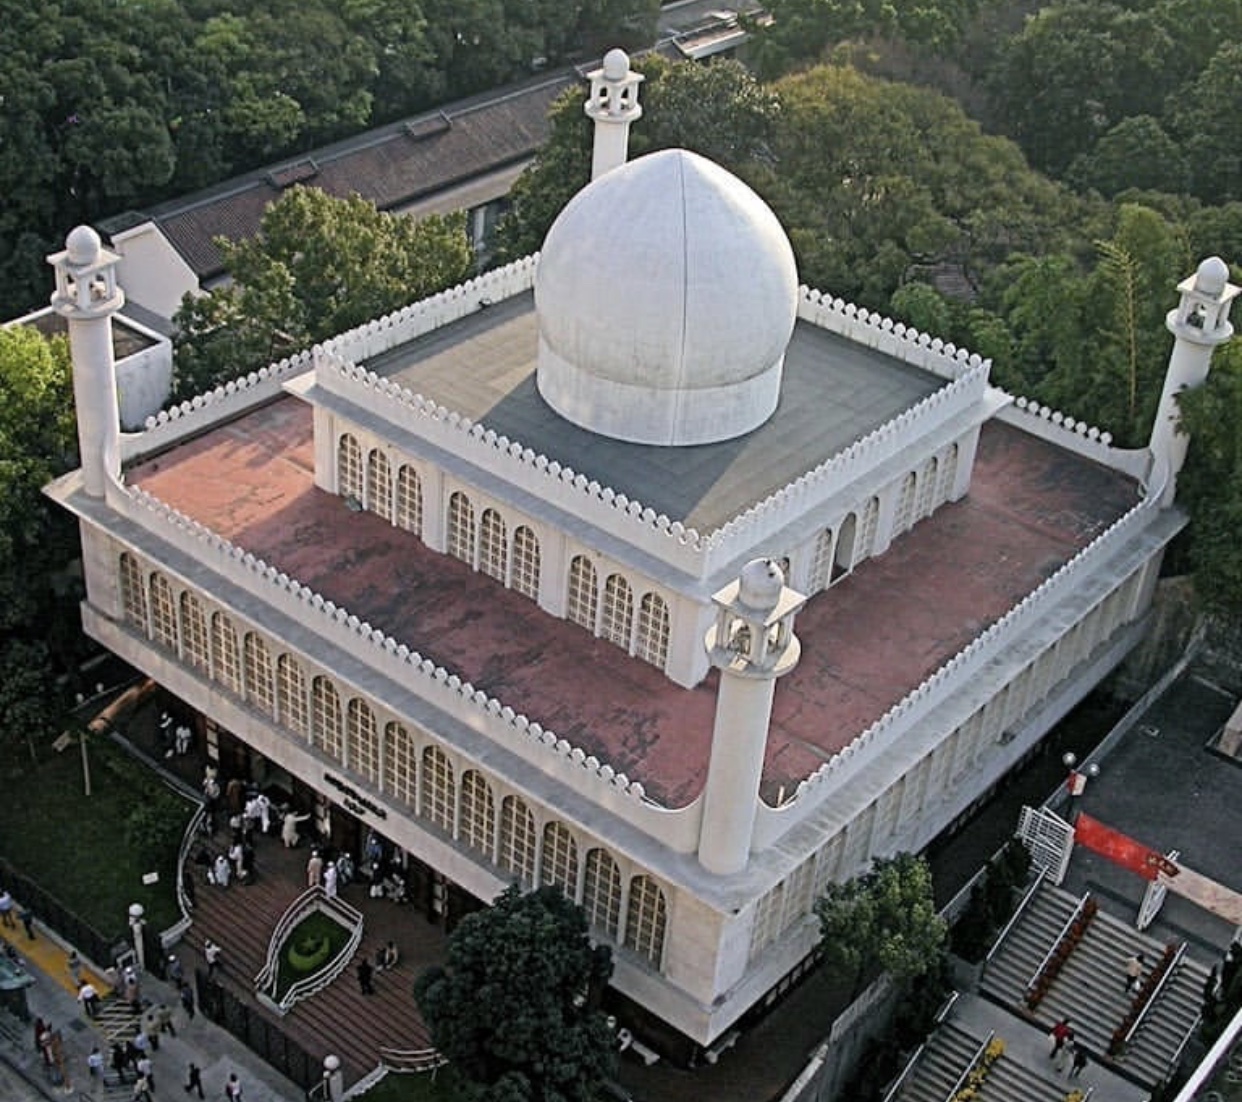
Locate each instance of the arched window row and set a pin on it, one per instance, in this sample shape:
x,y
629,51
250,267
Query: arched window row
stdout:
x,y
461,802
611,612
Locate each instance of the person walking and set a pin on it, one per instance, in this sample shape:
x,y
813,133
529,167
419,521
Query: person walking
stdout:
x,y
187,1001
88,997
142,1090
1080,1061
194,1079
329,879
74,963
95,1065
314,869
211,952
27,919
365,972
1060,1036
233,1088
6,909
146,1070
1134,972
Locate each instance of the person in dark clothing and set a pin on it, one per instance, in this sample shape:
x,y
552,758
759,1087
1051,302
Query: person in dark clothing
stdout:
x,y
194,1079
365,971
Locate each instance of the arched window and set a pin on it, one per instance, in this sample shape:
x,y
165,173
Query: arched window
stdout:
x,y
583,600
652,642
618,619
478,813
925,501
601,892
560,859
904,514
525,578
163,612
409,501
257,670
518,840
349,469
291,695
326,717
361,740
645,920
461,528
400,764
493,545
948,474
133,593
821,562
379,484
194,632
438,790
870,522
225,657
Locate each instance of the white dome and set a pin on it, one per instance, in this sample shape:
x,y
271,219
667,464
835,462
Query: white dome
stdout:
x,y
83,246
666,293
1212,276
760,584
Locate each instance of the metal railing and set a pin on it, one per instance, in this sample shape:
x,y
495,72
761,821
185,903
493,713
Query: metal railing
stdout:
x,y
974,1063
1056,944
408,1060
1155,993
311,900
906,1072
1017,914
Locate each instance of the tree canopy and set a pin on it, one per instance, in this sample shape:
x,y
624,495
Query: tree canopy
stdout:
x,y
515,1008
318,266
884,920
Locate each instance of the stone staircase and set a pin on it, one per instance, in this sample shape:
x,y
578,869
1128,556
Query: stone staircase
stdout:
x,y
1090,987
951,1051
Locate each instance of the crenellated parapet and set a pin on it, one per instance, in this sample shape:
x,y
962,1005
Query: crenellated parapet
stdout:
x,y
624,517
1067,432
962,669
893,338
380,652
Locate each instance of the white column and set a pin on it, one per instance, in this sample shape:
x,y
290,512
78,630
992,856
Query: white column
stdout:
x,y
752,644
87,296
612,106
1199,324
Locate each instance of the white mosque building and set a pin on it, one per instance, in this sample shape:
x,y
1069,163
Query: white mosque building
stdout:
x,y
510,576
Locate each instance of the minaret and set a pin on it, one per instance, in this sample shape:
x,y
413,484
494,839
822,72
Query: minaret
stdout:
x,y
752,644
612,106
87,296
1199,324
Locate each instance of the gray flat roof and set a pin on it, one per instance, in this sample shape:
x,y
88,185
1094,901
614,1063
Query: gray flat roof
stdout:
x,y
833,393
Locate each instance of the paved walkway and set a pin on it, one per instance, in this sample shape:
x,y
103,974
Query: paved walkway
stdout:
x,y
53,998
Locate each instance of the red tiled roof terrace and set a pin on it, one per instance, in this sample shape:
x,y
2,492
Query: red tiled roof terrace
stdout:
x,y
866,642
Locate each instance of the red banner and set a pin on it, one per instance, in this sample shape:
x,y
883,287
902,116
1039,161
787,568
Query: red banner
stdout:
x,y
1121,849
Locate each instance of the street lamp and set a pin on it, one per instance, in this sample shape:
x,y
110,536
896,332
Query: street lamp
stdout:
x,y
1076,782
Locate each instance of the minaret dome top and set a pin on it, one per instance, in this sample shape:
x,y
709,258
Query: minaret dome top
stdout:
x,y
83,246
1211,276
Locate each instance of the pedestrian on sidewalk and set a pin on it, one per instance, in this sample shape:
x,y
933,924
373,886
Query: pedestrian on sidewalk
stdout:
x,y
1134,972
6,909
89,998
164,1020
365,972
194,1079
211,952
314,869
176,972
187,1001
1062,1033
329,879
233,1088
95,1065
74,963
142,1090
1080,1061
146,1070
27,917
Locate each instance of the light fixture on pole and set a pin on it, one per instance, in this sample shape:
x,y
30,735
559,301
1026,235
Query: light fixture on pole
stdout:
x,y
1076,782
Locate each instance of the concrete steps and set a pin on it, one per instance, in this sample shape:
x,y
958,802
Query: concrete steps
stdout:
x,y
1090,987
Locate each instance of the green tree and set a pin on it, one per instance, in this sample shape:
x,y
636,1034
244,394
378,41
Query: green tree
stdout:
x,y
318,266
1211,133
1136,153
514,1009
884,920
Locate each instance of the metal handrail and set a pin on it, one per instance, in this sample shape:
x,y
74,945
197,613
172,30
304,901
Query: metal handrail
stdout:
x,y
1155,992
943,1013
1017,914
974,1063
314,898
1057,941
891,1093
412,1059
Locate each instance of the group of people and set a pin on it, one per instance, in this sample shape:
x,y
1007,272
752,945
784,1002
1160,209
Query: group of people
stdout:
x,y
1064,1049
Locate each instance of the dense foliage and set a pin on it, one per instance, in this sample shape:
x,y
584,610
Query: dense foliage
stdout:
x,y
108,106
882,921
515,1009
318,266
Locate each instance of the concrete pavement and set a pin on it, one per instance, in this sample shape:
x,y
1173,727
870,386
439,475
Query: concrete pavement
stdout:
x,y
53,998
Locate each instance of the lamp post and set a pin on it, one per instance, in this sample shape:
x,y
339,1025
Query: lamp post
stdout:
x,y
136,923
1076,782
